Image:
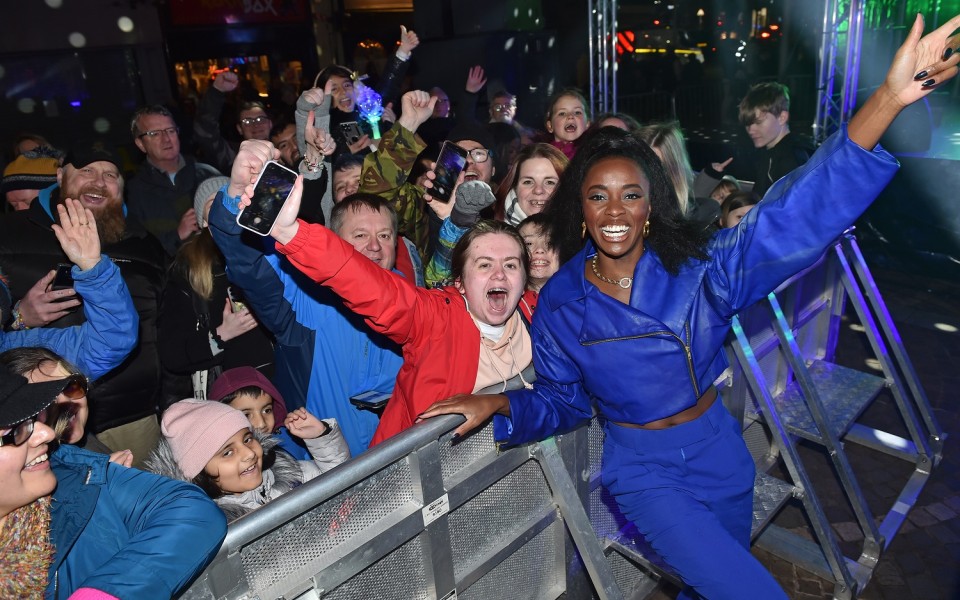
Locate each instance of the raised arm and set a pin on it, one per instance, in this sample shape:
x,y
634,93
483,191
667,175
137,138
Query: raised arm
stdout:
x,y
921,65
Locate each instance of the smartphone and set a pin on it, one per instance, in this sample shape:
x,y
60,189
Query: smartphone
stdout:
x,y
450,163
63,280
351,131
372,401
236,305
273,186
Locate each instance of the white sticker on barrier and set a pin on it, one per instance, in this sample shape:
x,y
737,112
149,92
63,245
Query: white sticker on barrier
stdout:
x,y
451,596
434,511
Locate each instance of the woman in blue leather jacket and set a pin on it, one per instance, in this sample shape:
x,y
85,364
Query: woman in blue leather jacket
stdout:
x,y
633,324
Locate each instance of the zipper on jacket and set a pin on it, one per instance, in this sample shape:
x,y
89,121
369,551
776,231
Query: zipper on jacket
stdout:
x,y
686,349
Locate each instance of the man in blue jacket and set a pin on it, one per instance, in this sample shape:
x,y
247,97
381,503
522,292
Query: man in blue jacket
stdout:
x,y
325,353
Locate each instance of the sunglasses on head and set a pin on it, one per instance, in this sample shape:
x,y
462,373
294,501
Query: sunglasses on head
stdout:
x,y
74,389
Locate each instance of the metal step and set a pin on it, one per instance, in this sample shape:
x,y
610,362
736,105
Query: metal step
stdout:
x,y
769,496
844,393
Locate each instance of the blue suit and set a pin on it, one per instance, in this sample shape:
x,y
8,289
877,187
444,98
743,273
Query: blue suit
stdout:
x,y
126,532
655,357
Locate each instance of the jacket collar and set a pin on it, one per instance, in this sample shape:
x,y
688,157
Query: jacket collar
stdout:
x,y
654,292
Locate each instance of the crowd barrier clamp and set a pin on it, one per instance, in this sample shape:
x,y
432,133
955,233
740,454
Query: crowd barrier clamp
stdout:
x,y
418,517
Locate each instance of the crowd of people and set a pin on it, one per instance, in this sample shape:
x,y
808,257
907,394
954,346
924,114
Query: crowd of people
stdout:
x,y
163,371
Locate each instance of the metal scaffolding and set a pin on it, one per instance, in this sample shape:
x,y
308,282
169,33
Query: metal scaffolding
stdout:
x,y
602,29
842,35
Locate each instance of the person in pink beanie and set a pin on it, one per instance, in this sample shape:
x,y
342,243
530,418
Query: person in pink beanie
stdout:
x,y
214,446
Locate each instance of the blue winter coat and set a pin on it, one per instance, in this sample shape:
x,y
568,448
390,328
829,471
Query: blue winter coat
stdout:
x,y
655,357
126,532
325,354
104,339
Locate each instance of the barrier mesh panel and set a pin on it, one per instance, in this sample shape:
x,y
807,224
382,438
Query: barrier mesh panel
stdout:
x,y
631,578
488,519
604,513
455,458
305,539
594,446
397,575
531,572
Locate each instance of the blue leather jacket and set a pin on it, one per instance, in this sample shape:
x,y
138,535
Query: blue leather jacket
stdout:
x,y
126,532
655,357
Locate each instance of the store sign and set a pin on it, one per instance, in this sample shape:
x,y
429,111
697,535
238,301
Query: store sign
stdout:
x,y
230,12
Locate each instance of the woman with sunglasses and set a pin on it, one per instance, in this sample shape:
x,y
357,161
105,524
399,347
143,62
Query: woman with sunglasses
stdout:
x,y
73,525
39,365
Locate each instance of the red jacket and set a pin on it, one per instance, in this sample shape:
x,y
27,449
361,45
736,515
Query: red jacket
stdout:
x,y
441,343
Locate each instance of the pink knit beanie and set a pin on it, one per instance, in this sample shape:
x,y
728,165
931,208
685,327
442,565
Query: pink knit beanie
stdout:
x,y
197,429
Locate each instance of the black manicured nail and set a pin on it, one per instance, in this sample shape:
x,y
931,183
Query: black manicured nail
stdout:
x,y
456,437
929,83
920,75
947,53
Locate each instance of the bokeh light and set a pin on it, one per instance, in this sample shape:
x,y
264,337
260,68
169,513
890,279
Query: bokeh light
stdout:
x,y
101,125
26,105
54,3
125,24
77,39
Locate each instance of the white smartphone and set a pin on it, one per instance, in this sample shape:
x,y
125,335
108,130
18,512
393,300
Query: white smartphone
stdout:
x,y
272,189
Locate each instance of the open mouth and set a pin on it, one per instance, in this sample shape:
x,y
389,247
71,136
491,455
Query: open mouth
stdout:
x,y
497,298
251,470
570,127
539,264
471,176
94,199
615,233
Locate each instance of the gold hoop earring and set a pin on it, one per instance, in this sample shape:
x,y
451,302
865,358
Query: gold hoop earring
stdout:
x,y
583,229
646,229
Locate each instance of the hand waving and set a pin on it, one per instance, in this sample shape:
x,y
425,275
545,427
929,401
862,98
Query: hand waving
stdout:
x,y
475,79
77,234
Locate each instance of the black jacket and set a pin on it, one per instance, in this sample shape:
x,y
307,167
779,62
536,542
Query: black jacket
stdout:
x,y
29,250
158,204
790,152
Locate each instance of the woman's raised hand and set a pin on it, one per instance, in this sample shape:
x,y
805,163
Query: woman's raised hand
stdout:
x,y
924,63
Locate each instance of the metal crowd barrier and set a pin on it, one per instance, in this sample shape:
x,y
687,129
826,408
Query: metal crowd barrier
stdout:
x,y
420,517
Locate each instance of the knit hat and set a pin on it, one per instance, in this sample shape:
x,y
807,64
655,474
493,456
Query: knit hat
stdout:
x,y
238,378
472,131
197,429
30,171
204,190
83,153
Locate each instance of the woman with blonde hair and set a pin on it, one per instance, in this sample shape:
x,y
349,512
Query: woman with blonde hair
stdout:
x,y
667,142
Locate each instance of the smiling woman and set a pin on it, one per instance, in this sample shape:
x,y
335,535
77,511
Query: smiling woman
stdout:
x,y
156,532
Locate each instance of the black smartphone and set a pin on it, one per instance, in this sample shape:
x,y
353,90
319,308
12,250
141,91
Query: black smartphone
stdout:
x,y
372,401
273,186
351,131
63,280
450,163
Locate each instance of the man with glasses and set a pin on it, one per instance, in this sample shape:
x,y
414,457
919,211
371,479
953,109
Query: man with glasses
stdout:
x,y
253,122
503,109
160,194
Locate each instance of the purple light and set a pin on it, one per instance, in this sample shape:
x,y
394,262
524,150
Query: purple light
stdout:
x,y
75,103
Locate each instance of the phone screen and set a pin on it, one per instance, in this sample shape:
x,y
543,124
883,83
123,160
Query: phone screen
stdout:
x,y
450,163
273,186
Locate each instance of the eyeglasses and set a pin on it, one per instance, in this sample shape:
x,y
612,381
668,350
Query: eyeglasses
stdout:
x,y
155,133
479,155
74,389
503,107
254,120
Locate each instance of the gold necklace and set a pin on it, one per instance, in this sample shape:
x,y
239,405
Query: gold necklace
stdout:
x,y
624,282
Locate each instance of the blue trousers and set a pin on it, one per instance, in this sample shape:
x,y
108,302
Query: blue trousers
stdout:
x,y
689,491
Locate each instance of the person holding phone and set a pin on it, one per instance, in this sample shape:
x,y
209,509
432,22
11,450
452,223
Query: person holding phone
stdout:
x,y
632,326
110,331
468,337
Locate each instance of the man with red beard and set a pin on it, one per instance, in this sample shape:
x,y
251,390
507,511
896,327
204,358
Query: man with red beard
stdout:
x,y
123,405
